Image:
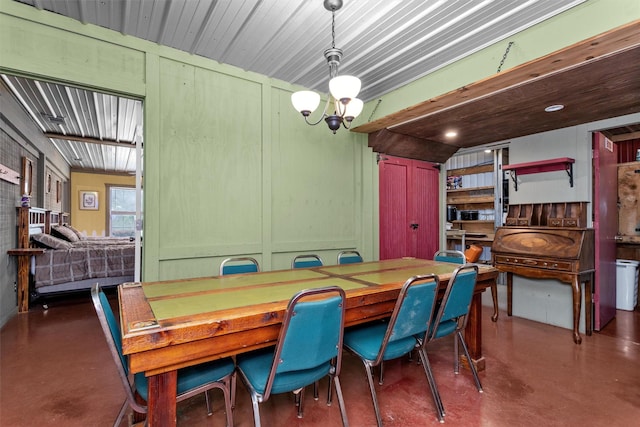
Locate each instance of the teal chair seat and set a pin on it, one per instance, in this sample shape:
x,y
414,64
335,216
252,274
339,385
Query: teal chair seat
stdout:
x,y
191,377
253,367
367,340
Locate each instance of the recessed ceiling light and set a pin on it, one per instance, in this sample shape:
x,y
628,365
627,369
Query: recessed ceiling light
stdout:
x,y
487,151
451,134
552,108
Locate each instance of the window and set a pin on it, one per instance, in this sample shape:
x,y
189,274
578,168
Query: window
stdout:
x,y
122,211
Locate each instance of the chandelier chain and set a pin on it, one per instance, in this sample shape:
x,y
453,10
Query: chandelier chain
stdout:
x,y
333,29
504,57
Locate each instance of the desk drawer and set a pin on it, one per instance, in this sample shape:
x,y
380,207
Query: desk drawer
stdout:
x,y
534,262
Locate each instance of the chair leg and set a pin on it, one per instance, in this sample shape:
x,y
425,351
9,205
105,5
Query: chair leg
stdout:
x,y
456,356
381,379
343,409
315,390
300,404
207,398
228,391
234,378
471,365
329,389
256,411
372,389
120,416
432,383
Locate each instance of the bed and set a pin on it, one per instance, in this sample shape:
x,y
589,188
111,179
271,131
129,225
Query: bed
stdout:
x,y
70,261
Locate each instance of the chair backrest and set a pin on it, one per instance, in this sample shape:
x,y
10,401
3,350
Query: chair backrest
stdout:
x,y
456,257
111,332
456,300
306,261
311,334
349,257
411,315
239,265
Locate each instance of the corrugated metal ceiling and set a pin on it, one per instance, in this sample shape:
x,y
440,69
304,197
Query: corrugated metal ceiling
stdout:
x,y
92,131
387,44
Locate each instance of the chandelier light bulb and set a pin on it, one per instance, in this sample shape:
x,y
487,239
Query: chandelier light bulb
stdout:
x,y
353,109
305,101
344,87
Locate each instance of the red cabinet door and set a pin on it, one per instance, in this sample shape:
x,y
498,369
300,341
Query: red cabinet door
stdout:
x,y
409,213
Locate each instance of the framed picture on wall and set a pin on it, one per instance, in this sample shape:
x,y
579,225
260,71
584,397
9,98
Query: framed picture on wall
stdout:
x,y
89,200
58,191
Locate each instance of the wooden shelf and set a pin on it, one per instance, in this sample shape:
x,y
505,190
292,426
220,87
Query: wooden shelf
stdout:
x,y
551,165
471,196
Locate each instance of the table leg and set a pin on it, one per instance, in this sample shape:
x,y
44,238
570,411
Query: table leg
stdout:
x,y
494,297
509,294
473,331
577,300
162,399
23,283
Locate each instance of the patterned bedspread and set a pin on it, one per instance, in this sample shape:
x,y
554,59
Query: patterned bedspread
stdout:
x,y
84,262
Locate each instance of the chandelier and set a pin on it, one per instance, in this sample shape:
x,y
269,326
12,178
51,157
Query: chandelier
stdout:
x,y
342,105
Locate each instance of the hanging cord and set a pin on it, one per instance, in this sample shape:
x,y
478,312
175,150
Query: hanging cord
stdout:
x,y
504,57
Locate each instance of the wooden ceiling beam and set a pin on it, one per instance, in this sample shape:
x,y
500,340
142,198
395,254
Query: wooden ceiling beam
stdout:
x,y
399,145
89,140
616,40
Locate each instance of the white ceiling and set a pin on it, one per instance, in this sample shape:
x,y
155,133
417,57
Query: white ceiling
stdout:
x,y
387,44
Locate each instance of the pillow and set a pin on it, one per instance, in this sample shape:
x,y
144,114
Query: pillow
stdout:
x,y
64,233
77,232
49,241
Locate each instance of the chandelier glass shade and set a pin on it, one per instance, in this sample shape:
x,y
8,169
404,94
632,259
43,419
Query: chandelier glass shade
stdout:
x,y
342,104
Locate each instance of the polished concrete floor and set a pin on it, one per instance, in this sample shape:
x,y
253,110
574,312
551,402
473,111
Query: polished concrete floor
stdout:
x,y
56,371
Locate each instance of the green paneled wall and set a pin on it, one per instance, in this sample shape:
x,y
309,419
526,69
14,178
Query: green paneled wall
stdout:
x,y
210,160
230,168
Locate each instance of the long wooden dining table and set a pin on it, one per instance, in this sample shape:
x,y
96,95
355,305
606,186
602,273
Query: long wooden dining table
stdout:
x,y
169,325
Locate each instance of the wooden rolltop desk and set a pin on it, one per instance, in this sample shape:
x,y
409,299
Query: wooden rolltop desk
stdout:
x,y
548,241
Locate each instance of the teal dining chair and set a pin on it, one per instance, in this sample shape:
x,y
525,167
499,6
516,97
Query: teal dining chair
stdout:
x,y
306,261
459,257
448,255
303,354
349,257
452,315
404,332
239,265
192,380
